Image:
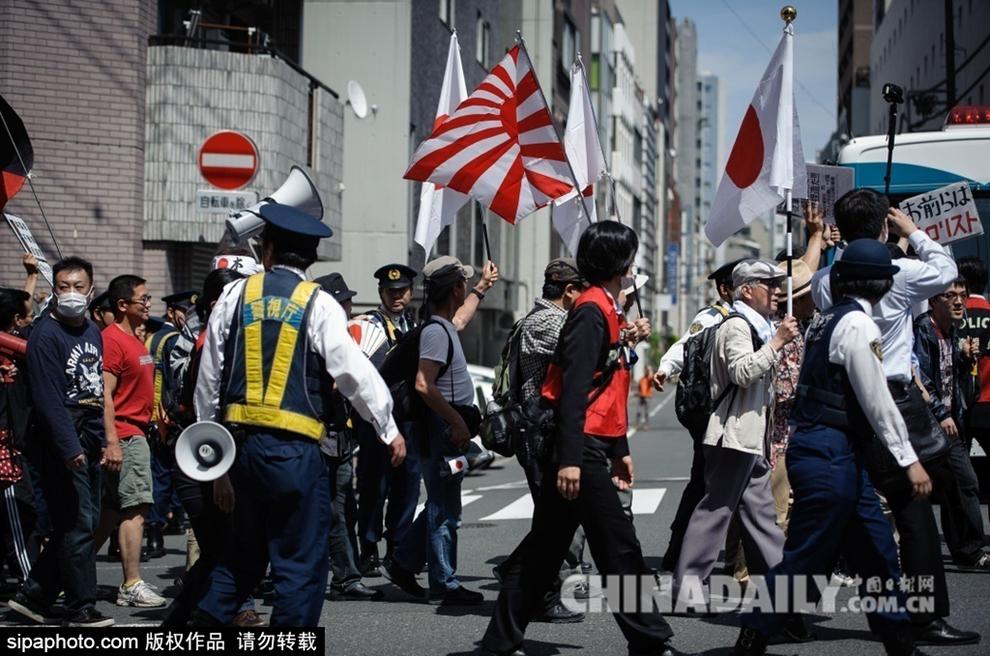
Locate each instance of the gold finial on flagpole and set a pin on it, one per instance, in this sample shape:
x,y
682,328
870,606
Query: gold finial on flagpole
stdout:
x,y
788,14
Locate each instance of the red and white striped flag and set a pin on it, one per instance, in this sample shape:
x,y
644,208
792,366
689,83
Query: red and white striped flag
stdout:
x,y
439,205
500,146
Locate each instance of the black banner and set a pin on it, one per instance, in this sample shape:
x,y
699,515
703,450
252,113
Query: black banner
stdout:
x,y
145,641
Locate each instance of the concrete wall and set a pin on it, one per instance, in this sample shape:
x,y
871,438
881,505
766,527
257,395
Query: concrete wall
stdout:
x,y
194,93
338,46
74,71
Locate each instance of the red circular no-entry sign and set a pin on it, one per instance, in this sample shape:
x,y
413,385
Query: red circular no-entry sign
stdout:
x,y
228,160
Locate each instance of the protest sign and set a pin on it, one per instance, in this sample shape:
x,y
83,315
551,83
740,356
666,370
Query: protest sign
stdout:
x,y
826,184
947,214
24,236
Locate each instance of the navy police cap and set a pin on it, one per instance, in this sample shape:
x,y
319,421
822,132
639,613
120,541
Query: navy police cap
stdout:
x,y
182,300
288,218
395,276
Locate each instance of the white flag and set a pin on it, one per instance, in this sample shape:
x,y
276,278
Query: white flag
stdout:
x,y
767,158
584,150
437,206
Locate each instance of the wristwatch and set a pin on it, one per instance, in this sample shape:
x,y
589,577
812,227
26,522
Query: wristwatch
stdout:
x,y
480,296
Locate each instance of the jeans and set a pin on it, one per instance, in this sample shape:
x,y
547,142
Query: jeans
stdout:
x,y
432,538
68,562
343,539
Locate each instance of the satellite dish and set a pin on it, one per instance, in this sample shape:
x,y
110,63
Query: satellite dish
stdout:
x,y
358,101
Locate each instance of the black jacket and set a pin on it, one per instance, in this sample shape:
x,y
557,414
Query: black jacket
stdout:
x,y
930,368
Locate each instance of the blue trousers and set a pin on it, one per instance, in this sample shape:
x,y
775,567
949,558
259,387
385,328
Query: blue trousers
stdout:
x,y
282,516
835,510
378,480
162,459
432,539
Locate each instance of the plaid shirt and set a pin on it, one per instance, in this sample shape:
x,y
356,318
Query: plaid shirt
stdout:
x,y
538,336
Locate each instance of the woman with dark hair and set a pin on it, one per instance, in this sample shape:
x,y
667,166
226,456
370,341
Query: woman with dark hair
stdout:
x,y
841,401
209,505
589,459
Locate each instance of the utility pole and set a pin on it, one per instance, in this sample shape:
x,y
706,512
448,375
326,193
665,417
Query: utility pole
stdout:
x,y
950,57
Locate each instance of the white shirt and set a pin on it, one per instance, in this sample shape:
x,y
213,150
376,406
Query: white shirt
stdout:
x,y
851,348
760,324
326,333
916,281
672,361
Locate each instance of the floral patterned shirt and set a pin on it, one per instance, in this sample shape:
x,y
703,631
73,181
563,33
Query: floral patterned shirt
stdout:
x,y
785,389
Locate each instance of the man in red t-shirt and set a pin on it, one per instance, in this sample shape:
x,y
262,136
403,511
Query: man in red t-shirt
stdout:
x,y
129,381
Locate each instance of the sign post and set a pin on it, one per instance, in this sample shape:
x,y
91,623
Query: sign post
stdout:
x,y
228,160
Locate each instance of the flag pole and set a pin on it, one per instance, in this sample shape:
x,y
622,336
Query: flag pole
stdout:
x,y
788,14
539,89
28,175
484,227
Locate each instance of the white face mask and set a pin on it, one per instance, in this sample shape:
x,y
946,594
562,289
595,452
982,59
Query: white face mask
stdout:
x,y
72,305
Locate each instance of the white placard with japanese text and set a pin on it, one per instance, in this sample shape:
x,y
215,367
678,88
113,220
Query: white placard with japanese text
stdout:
x,y
24,236
947,214
826,184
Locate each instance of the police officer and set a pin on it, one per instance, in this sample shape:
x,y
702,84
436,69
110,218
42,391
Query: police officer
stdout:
x,y
841,401
377,481
275,347
160,346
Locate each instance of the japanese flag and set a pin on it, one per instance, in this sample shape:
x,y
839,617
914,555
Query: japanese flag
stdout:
x,y
439,205
767,158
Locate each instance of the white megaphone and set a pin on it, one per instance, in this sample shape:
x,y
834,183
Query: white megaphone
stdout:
x,y
297,191
205,451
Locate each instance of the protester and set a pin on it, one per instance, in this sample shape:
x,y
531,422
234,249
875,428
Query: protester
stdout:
x,y
645,393
65,358
841,401
282,509
737,472
128,374
160,345
865,214
943,367
977,329
338,447
18,510
443,434
591,396
207,504
536,339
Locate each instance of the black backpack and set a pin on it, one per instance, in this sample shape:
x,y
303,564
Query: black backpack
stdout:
x,y
399,373
694,403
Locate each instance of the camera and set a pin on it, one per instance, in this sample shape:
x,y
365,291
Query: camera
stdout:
x,y
893,93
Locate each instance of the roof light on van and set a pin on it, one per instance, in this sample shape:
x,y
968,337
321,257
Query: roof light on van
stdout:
x,y
967,115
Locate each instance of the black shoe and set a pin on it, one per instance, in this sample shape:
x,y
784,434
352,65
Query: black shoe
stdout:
x,y
939,632
203,620
403,578
795,630
87,617
497,573
35,610
667,650
750,643
459,596
585,567
358,592
485,651
156,542
113,550
369,559
559,614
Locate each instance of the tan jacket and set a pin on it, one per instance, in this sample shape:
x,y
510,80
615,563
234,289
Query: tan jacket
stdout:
x,y
741,421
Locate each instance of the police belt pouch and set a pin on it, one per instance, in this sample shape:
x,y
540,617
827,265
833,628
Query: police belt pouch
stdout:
x,y
929,441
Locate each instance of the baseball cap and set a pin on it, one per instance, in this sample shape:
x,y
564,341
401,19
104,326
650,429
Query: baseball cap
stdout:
x,y
446,266
563,269
749,271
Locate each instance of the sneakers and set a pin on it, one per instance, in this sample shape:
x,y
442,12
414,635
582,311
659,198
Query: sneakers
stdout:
x,y
140,595
459,596
403,578
35,610
89,618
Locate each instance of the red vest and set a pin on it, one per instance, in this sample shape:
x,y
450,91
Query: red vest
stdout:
x,y
606,415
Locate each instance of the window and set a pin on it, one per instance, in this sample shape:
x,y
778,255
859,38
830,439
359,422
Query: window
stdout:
x,y
481,38
447,13
569,47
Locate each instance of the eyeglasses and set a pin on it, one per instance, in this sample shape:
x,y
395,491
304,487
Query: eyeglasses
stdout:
x,y
770,284
952,297
146,300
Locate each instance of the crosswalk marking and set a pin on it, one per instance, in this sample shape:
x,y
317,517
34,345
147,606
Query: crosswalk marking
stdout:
x,y
645,502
